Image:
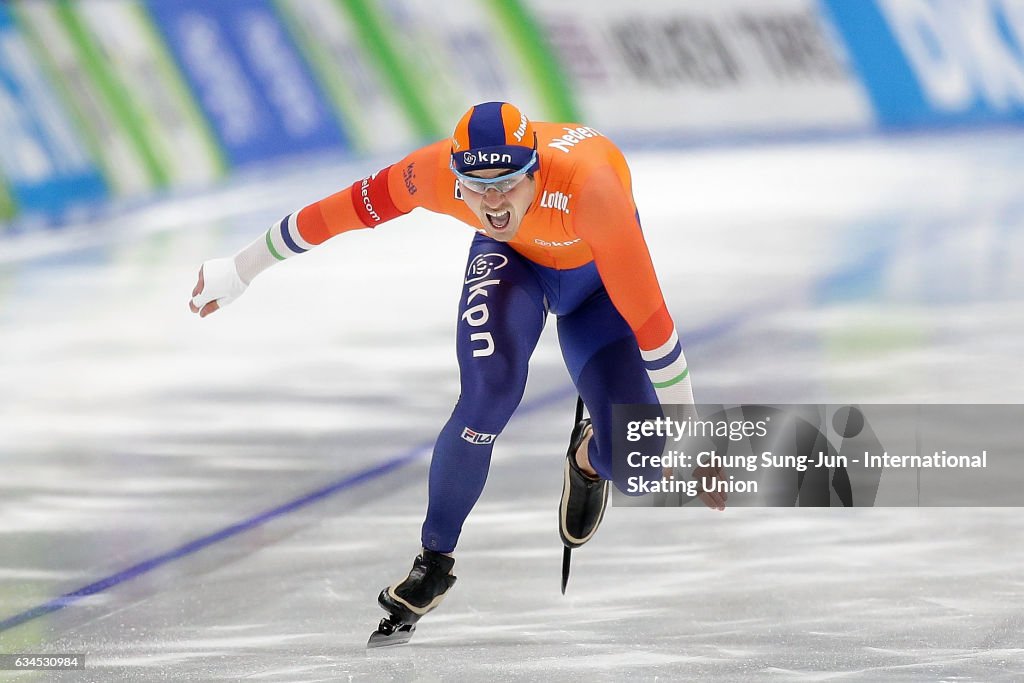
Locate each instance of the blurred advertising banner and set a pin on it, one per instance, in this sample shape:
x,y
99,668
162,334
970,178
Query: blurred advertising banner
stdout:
x,y
125,97
119,147
249,78
124,55
443,57
668,70
937,61
358,84
43,162
6,203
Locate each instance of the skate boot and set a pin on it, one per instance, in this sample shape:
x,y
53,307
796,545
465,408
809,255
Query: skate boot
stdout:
x,y
406,602
583,498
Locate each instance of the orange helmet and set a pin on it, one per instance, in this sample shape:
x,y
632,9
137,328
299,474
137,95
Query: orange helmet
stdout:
x,y
494,135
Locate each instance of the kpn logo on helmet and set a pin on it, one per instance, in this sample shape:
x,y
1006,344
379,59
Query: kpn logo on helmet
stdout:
x,y
471,159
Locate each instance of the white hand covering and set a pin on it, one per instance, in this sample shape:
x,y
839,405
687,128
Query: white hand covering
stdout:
x,y
221,283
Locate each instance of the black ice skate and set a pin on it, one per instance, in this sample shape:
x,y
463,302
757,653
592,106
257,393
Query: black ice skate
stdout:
x,y
583,498
406,602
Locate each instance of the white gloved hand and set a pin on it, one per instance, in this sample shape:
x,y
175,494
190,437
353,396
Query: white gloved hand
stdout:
x,y
219,284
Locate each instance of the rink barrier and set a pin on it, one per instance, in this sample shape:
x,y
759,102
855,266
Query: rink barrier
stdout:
x,y
670,69
104,121
341,42
130,67
44,167
122,99
249,78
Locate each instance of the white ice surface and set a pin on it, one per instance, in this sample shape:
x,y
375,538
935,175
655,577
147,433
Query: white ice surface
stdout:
x,y
863,271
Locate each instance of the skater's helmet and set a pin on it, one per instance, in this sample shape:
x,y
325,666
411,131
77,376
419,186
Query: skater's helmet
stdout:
x,y
494,135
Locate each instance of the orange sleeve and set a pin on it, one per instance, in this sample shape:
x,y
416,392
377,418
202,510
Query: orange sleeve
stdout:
x,y
606,219
421,179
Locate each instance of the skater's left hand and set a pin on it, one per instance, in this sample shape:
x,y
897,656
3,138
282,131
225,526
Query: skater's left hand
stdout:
x,y
708,478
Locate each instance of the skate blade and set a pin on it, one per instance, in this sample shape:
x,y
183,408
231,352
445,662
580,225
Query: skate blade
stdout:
x,y
566,563
398,636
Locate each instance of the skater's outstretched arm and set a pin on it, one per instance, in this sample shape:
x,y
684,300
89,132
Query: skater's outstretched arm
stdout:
x,y
421,179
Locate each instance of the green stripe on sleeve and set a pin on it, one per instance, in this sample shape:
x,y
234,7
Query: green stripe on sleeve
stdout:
x,y
674,380
270,246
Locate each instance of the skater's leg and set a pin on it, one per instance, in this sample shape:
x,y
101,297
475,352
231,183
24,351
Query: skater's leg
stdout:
x,y
604,362
501,315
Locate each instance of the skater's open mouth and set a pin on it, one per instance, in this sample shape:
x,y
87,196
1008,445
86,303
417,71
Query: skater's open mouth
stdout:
x,y
498,221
